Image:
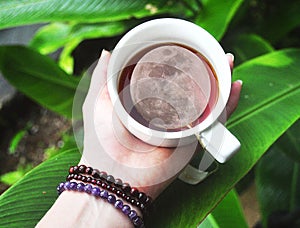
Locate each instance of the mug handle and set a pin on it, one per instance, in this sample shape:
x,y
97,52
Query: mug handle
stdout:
x,y
217,141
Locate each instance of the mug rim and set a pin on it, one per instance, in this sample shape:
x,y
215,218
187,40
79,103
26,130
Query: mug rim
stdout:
x,y
168,30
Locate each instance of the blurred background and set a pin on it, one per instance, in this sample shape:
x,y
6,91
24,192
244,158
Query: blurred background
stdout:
x,y
46,47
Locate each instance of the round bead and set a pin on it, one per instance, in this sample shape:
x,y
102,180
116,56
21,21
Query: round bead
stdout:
x,y
94,181
132,214
98,182
119,204
127,198
96,191
134,192
75,176
88,179
137,221
118,182
73,185
148,201
111,199
95,173
132,201
80,187
142,197
104,194
79,177
75,169
71,170
60,188
81,169
137,203
103,185
108,187
110,179
83,178
103,175
113,190
142,207
69,177
126,187
88,188
126,209
67,185
89,170
119,193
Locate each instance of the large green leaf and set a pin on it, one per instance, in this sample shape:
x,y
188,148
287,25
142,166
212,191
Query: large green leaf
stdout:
x,y
216,15
278,181
24,204
55,35
15,12
39,78
265,112
227,213
289,143
269,105
230,212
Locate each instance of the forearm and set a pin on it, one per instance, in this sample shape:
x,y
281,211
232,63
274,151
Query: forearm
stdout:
x,y
76,209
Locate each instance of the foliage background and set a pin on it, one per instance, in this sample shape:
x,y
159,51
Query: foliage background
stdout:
x,y
263,35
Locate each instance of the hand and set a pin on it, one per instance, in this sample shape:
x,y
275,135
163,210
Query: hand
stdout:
x,y
108,146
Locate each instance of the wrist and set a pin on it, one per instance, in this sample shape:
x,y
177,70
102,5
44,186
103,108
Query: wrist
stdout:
x,y
74,209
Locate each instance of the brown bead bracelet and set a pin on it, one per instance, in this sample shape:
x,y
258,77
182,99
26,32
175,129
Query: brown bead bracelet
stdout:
x,y
102,179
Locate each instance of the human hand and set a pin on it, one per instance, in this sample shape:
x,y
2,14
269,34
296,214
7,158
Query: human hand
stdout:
x,y
108,146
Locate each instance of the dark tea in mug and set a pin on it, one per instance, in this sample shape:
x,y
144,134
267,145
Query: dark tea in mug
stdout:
x,y
171,74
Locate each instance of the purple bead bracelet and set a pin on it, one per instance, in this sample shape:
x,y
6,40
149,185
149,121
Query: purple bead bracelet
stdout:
x,y
104,194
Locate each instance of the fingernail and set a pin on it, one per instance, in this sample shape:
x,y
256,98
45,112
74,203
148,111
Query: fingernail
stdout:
x,y
231,56
103,53
240,81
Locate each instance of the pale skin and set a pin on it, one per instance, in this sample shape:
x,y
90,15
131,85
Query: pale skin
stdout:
x,y
73,209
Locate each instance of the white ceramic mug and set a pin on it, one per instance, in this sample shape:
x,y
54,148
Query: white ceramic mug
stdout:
x,y
215,138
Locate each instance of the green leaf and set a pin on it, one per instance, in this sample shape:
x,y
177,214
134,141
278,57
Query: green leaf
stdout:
x,y
247,46
56,35
278,181
209,222
216,16
39,78
227,214
265,112
229,211
13,176
289,142
15,12
16,140
25,203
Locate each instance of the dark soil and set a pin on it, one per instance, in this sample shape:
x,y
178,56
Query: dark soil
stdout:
x,y
43,130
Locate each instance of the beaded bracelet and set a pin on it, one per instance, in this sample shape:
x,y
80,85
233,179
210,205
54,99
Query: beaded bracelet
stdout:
x,y
110,180
119,193
104,194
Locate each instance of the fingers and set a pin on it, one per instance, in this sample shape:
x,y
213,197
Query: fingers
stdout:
x,y
235,89
98,80
234,94
230,60
234,97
